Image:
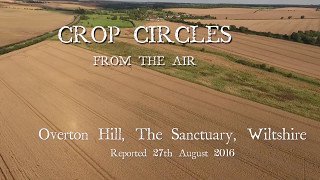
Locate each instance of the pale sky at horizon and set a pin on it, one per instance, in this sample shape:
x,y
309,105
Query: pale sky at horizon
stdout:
x,y
293,2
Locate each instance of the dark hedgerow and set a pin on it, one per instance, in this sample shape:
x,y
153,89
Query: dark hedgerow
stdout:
x,y
271,69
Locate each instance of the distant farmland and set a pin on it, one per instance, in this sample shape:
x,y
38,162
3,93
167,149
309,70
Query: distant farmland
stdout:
x,y
245,13
273,26
69,5
277,21
297,57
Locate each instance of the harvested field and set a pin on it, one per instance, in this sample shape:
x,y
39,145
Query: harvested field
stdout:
x,y
17,5
217,71
273,26
213,11
296,57
246,14
69,5
55,86
20,24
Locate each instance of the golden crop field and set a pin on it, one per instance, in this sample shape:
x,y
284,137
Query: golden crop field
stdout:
x,y
297,57
252,82
20,24
246,14
69,5
287,26
6,4
277,21
42,86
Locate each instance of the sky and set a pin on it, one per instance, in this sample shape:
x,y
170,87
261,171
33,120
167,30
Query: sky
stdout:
x,y
302,2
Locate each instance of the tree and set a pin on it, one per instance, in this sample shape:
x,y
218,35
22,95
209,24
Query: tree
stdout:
x,y
233,27
296,37
271,69
309,40
243,29
262,66
289,17
302,17
318,40
84,17
80,11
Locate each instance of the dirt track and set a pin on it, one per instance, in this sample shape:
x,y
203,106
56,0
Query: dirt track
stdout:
x,y
55,86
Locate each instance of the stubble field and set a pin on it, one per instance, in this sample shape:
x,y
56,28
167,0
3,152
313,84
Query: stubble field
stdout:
x,y
55,86
248,13
287,26
21,24
296,57
278,21
69,5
